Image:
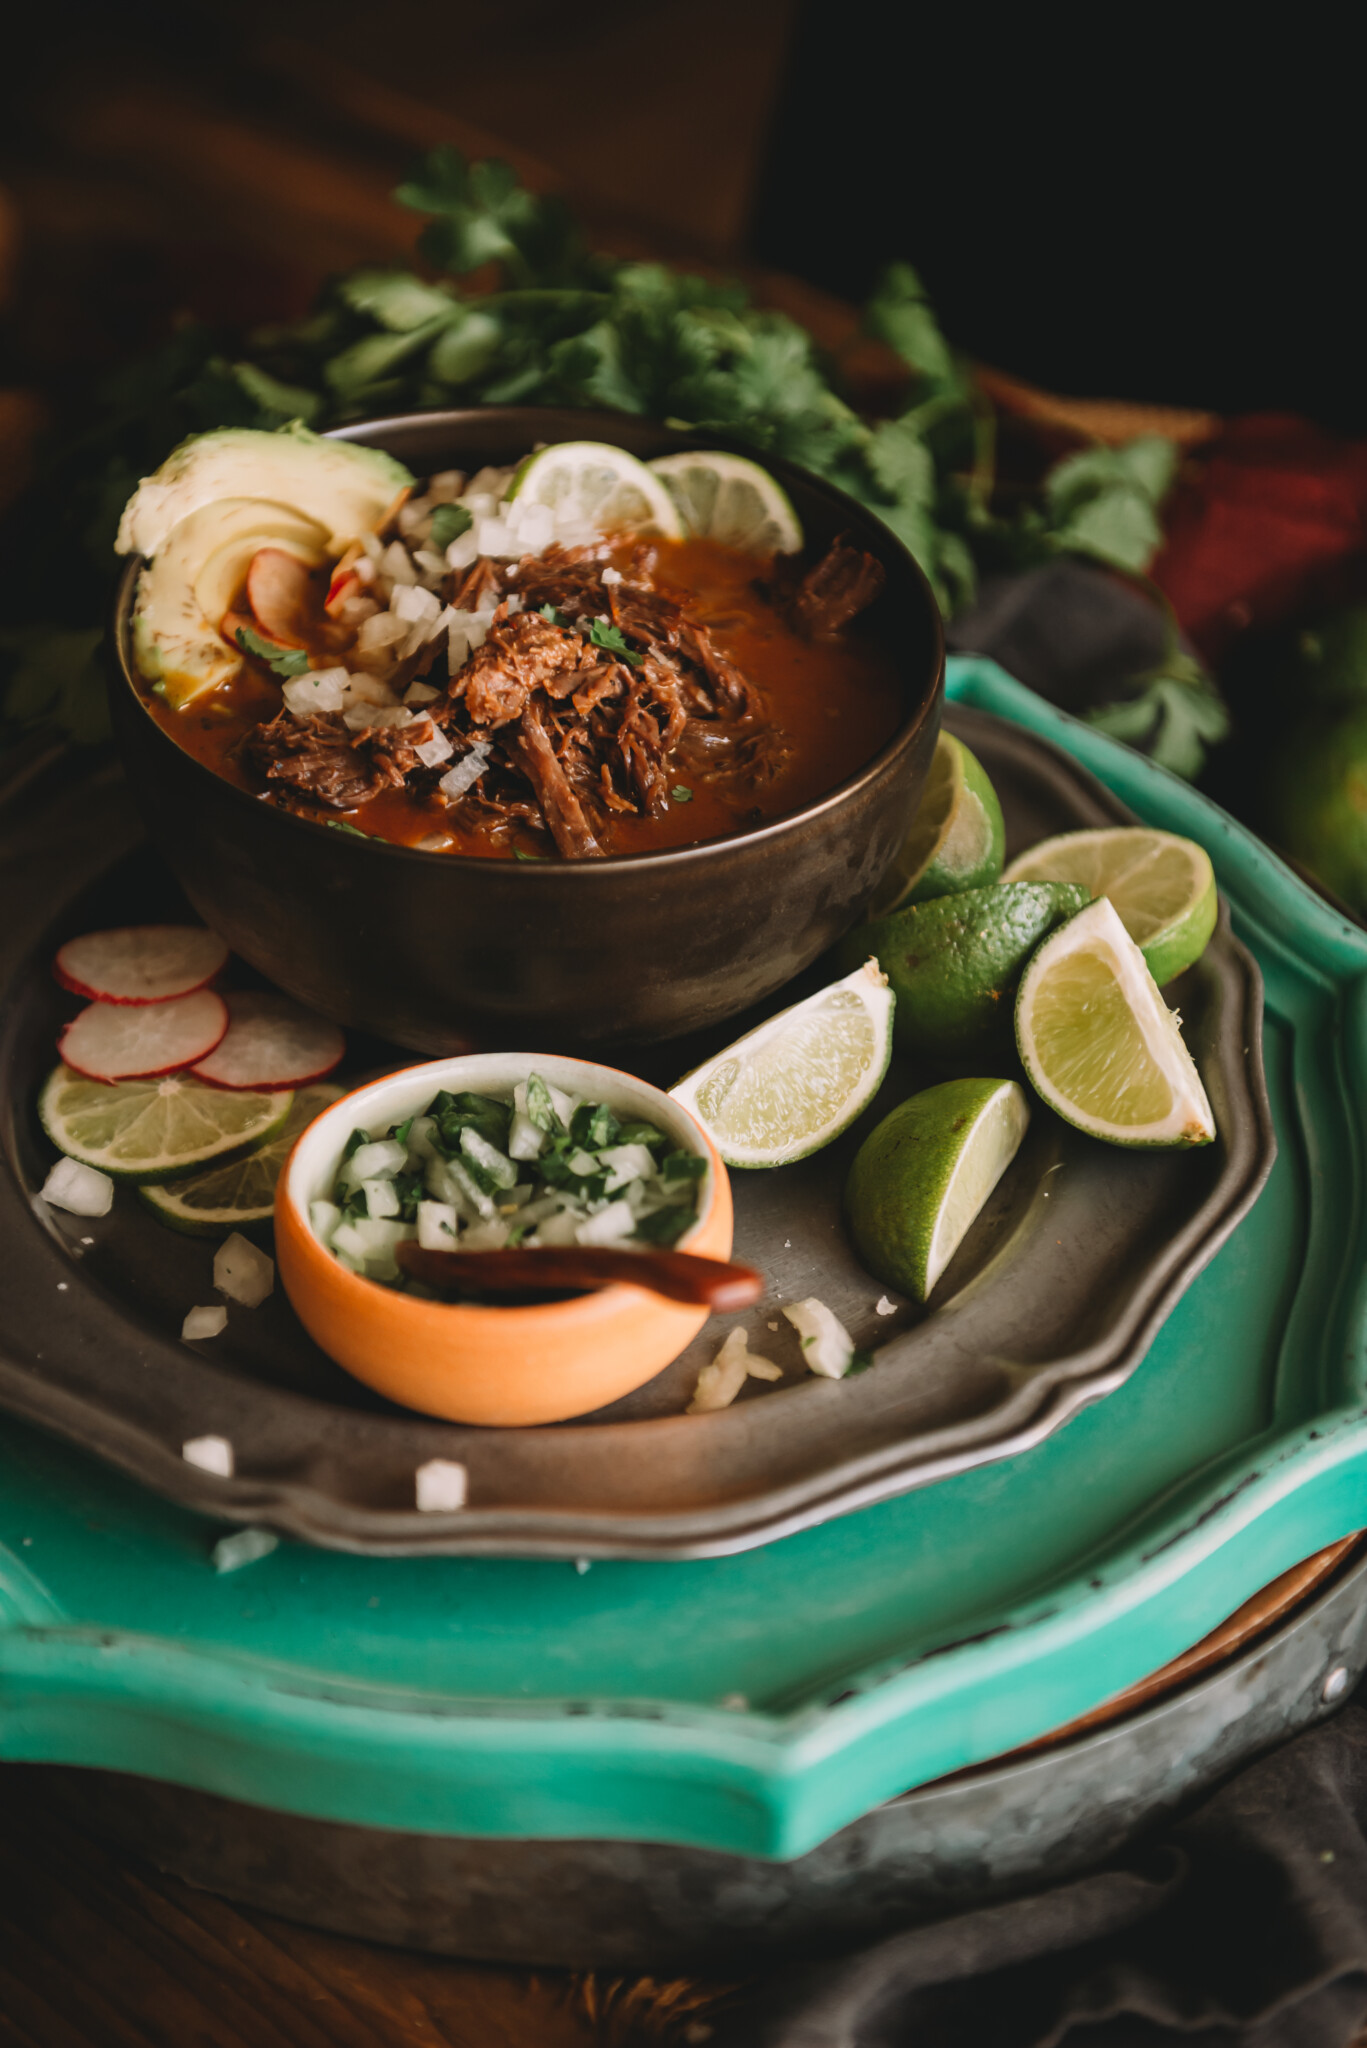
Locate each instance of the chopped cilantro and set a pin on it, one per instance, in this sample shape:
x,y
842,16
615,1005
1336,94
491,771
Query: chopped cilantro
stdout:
x,y
449,522
399,1132
286,661
666,1225
683,1166
520,853
681,795
540,1107
341,825
551,615
860,1362
610,639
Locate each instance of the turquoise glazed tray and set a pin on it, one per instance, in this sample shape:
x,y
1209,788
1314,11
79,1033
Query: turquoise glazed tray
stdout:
x,y
756,1703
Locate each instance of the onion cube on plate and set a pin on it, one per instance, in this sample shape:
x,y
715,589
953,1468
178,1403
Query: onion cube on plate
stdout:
x,y
381,1197
211,1454
244,1546
81,1190
242,1272
205,1322
441,1486
827,1346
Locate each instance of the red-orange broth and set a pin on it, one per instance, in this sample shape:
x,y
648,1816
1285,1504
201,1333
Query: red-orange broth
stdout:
x,y
837,701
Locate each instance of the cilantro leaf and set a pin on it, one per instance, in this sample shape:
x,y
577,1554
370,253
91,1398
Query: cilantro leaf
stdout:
x,y
610,639
286,661
681,795
341,825
549,613
449,522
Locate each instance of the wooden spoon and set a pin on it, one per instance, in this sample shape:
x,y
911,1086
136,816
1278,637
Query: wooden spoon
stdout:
x,y
556,1269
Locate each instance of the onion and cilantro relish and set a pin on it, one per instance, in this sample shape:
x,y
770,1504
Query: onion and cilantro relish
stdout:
x,y
476,1173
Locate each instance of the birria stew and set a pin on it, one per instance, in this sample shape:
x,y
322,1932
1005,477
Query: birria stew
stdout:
x,y
478,673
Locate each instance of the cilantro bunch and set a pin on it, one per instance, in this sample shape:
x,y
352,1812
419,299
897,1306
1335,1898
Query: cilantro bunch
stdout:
x,y
562,326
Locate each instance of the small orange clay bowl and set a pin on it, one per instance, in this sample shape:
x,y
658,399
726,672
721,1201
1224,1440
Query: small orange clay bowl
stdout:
x,y
467,1362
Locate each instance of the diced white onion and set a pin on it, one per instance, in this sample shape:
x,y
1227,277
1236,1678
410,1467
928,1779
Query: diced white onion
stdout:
x,y
437,1226
463,551
379,1159
495,1163
420,693
466,772
210,1453
381,1197
320,690
80,1190
324,1216
827,1346
243,1272
609,1226
383,630
205,1322
721,1381
626,1163
440,1486
524,1139
395,564
434,751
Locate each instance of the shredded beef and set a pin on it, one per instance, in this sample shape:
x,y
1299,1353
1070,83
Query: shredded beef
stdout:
x,y
317,758
831,593
560,806
581,731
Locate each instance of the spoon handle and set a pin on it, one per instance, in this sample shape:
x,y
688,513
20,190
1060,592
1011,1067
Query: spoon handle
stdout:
x,y
680,1276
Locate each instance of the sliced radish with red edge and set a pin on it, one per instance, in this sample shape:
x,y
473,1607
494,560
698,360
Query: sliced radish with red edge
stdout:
x,y
133,1041
287,603
271,1043
141,963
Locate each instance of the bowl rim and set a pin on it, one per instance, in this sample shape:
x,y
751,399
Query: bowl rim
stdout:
x,y
590,1308
898,744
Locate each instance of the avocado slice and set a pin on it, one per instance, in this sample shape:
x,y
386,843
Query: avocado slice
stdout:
x,y
202,516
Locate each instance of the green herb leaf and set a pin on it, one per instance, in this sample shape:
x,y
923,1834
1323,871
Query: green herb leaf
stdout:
x,y
681,795
642,1134
540,1107
520,853
683,1166
549,613
449,522
286,661
664,1226
341,825
610,639
860,1362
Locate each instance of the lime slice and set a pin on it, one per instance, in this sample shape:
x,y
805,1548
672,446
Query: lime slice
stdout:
x,y
1099,1043
157,1129
1162,886
599,486
794,1083
920,1179
957,838
729,499
242,1191
953,964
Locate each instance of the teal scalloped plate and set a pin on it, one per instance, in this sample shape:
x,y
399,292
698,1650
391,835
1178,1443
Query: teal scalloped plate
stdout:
x,y
756,1703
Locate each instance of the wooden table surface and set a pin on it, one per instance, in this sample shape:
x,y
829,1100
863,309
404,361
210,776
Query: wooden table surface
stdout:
x,y
99,1951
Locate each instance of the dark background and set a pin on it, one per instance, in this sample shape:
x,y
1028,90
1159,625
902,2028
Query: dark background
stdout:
x,y
1128,206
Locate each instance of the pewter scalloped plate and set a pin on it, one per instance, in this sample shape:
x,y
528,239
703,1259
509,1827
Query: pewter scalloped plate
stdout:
x,y
1050,1303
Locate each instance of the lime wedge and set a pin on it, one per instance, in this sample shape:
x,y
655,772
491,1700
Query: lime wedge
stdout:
x,y
729,499
1099,1043
242,1191
920,1179
157,1129
599,486
957,838
794,1083
1162,886
953,964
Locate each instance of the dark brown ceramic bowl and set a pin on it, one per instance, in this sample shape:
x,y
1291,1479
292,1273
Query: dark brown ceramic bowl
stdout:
x,y
443,953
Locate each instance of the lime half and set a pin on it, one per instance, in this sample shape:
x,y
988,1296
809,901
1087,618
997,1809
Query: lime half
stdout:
x,y
795,1083
921,1178
602,487
729,499
1162,886
157,1129
957,838
243,1191
1099,1043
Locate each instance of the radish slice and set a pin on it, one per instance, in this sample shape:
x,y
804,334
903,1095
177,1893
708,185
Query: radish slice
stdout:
x,y
143,963
286,601
271,1043
128,1041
